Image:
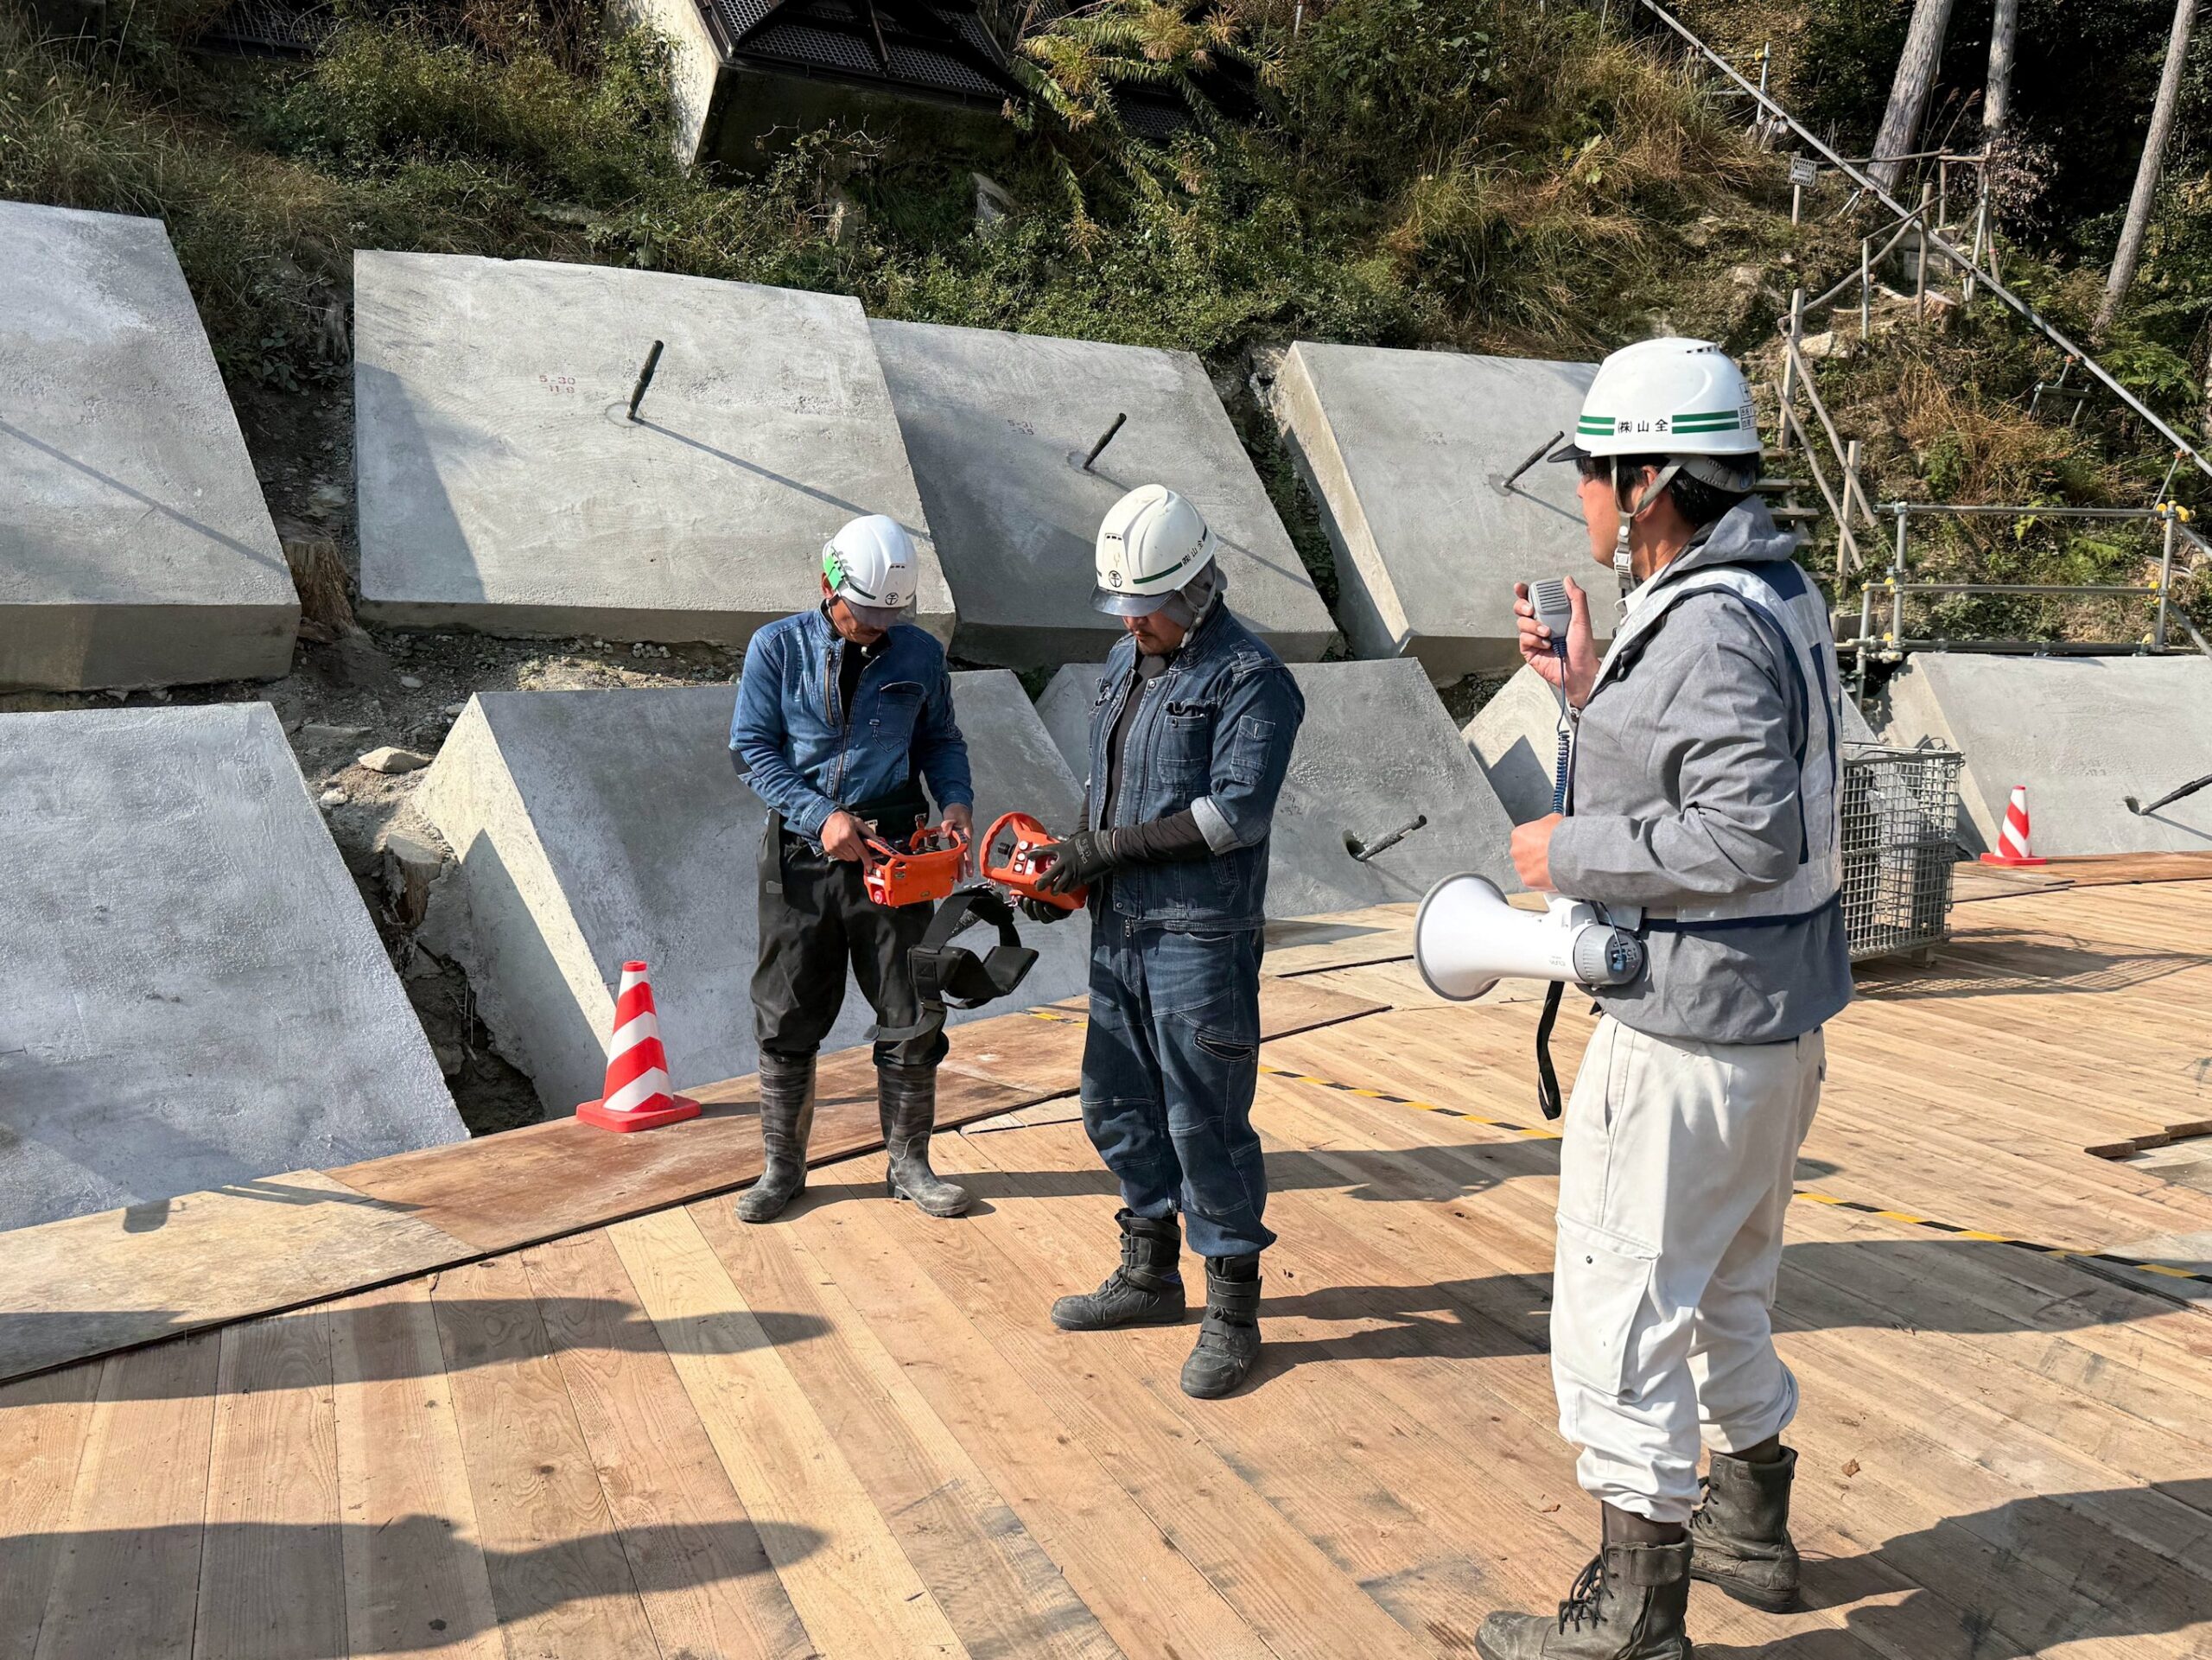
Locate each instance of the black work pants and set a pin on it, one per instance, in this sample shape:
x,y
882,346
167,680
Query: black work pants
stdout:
x,y
815,919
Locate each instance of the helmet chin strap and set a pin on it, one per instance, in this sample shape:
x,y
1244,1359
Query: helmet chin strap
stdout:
x,y
1623,561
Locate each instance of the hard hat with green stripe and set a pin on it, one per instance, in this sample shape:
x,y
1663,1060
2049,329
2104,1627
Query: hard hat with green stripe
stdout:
x,y
1684,399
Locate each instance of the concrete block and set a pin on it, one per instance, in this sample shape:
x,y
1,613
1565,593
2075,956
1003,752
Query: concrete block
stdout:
x,y
2080,733
590,827
135,547
504,489
1514,736
1376,752
997,426
193,994
1407,453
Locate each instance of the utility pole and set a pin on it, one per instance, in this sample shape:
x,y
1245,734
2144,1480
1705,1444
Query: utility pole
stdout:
x,y
1916,80
2130,252
1997,101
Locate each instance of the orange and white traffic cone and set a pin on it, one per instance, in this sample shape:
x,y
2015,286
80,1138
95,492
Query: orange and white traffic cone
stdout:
x,y
636,1095
2013,841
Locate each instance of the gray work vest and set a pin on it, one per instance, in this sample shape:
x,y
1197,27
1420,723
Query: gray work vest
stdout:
x,y
1788,610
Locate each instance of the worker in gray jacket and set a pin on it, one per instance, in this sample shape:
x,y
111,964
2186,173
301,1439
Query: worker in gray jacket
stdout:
x,y
1701,813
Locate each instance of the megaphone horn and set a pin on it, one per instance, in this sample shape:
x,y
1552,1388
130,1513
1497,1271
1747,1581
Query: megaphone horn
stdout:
x,y
1467,939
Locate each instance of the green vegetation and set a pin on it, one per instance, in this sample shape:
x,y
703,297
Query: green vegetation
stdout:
x,y
1481,174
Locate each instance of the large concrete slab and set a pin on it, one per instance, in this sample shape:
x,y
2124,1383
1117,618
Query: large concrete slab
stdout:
x,y
2080,733
191,995
1407,453
998,424
504,489
135,547
1514,736
596,826
1376,751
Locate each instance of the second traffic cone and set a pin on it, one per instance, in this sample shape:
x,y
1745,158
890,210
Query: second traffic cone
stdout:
x,y
636,1095
2012,840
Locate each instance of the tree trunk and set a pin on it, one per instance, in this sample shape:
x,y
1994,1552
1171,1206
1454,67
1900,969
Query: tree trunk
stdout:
x,y
1996,103
2130,251
1916,79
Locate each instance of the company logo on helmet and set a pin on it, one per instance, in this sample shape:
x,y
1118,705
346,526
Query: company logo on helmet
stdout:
x,y
1114,577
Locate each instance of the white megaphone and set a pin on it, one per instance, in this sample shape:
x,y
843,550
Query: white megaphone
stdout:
x,y
1467,939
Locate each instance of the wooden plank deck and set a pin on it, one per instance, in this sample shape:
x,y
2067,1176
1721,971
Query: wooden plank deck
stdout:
x,y
660,1434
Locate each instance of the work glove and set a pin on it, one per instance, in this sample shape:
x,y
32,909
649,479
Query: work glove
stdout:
x,y
1043,910
1079,860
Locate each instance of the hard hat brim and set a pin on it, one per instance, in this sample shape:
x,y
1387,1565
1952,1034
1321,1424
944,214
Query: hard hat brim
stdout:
x,y
1115,604
875,616
1569,451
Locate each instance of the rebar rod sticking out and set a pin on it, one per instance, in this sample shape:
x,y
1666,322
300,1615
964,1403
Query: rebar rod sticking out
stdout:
x,y
1104,439
1364,852
644,379
1535,456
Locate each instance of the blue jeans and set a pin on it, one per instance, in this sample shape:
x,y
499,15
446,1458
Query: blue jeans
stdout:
x,y
1169,1067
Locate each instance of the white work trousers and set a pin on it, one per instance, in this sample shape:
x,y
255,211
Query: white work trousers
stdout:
x,y
1675,1174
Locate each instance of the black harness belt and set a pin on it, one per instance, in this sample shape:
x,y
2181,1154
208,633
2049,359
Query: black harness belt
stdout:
x,y
949,976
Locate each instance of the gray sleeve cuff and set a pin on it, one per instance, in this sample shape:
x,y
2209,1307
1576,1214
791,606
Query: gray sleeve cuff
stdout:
x,y
1220,835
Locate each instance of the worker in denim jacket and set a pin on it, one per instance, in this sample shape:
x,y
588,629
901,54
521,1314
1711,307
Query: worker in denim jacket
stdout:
x,y
1190,738
843,713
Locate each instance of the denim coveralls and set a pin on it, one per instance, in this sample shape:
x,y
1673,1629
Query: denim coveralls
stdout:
x,y
1172,1058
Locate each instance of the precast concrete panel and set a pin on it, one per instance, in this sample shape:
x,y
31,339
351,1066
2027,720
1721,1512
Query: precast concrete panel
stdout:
x,y
1407,454
2083,733
503,488
1376,751
135,547
192,995
591,827
998,426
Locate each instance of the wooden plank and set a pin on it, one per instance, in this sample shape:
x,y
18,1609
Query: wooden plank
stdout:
x,y
524,1186
704,1576
1378,933
559,1578
1152,1601
43,1424
74,1289
845,1572
1301,1605
272,1576
416,1582
127,1579
1000,1593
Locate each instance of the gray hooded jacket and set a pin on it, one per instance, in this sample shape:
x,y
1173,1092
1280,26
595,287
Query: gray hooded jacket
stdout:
x,y
1686,791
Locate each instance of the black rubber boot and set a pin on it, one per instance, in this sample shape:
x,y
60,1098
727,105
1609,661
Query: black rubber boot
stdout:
x,y
1742,1531
786,1121
1145,1290
1229,1338
906,1099
1628,1604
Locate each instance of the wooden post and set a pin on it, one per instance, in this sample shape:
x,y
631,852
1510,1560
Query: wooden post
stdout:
x,y
1789,363
1865,288
1920,276
1996,101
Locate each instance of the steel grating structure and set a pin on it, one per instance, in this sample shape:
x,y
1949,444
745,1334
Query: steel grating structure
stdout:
x,y
1900,840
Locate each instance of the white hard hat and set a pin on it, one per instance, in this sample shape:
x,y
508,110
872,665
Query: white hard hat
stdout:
x,y
1681,398
871,565
1151,543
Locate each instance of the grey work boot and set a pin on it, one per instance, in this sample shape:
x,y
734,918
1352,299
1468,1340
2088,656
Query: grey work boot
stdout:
x,y
786,1121
1628,1604
1228,1340
905,1098
1145,1290
1742,1531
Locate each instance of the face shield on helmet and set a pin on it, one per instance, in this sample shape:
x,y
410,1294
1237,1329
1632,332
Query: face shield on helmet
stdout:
x,y
1152,544
871,565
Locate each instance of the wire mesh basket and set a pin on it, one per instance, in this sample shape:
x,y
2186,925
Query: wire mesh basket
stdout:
x,y
1900,840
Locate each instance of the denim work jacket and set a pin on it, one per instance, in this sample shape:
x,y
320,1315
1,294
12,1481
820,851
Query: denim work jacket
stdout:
x,y
1213,733
796,748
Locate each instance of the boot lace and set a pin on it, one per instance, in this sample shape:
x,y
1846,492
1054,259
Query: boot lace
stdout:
x,y
1586,1598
